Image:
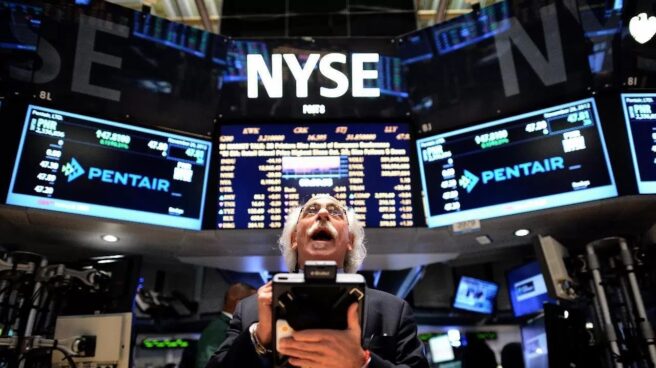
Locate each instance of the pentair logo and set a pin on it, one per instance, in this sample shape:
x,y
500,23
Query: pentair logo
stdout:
x,y
642,28
73,170
468,181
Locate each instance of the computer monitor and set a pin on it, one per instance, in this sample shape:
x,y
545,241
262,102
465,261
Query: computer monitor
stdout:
x,y
640,120
84,165
366,165
527,289
534,344
542,159
475,295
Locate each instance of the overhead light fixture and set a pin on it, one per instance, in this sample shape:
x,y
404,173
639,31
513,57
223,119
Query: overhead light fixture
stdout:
x,y
522,232
117,256
110,238
103,261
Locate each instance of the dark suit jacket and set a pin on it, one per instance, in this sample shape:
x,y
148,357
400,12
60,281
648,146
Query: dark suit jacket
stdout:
x,y
390,333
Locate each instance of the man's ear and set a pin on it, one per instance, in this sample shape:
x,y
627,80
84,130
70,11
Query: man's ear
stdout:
x,y
351,241
294,243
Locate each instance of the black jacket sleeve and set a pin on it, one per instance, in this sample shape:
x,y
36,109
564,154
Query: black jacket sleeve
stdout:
x,y
409,350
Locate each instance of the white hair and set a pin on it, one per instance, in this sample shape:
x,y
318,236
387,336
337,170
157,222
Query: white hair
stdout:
x,y
353,258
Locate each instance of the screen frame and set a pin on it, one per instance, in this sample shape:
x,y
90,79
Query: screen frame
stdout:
x,y
473,312
644,187
116,213
491,211
415,187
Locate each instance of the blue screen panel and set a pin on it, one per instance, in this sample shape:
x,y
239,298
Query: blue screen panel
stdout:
x,y
471,28
170,34
534,344
640,118
527,289
475,295
542,159
19,25
83,165
366,165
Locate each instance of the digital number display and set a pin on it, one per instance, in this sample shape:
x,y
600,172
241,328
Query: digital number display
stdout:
x,y
266,170
640,118
543,159
84,165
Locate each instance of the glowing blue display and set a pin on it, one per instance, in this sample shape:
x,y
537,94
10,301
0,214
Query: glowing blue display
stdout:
x,y
83,165
527,289
543,159
640,118
475,295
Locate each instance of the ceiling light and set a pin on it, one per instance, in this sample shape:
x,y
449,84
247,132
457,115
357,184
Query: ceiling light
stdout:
x,y
522,232
117,256
103,261
110,238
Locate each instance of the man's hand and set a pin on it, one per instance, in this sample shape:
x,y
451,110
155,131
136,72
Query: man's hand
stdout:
x,y
326,348
264,298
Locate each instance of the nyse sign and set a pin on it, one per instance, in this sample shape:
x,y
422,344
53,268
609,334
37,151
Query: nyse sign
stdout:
x,y
272,80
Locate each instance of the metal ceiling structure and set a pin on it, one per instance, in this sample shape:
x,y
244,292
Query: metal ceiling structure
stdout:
x,y
206,14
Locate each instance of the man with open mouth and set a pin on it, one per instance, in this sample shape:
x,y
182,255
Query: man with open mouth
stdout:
x,y
325,230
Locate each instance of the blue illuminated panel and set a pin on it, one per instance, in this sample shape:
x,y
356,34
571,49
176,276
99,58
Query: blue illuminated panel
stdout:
x,y
471,28
527,289
366,165
390,77
175,35
235,62
475,295
543,159
640,118
19,25
79,164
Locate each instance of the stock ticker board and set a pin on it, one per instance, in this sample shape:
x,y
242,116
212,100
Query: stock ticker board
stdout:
x,y
84,165
640,118
366,165
542,159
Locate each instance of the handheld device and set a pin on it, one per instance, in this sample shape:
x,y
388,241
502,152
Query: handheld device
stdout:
x,y
318,298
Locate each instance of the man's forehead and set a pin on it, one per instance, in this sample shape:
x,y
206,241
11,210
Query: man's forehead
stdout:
x,y
323,200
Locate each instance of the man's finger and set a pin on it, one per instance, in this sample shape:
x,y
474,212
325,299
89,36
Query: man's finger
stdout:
x,y
298,362
312,335
302,350
352,317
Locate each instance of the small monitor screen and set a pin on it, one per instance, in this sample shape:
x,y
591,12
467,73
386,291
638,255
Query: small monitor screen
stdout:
x,y
19,25
640,118
441,349
527,289
542,159
83,165
366,165
534,344
475,295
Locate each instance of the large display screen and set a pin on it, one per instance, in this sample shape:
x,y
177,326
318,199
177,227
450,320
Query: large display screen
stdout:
x,y
265,170
476,295
527,289
542,159
640,118
79,164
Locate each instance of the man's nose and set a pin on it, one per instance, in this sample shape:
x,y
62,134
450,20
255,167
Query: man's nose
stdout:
x,y
323,213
